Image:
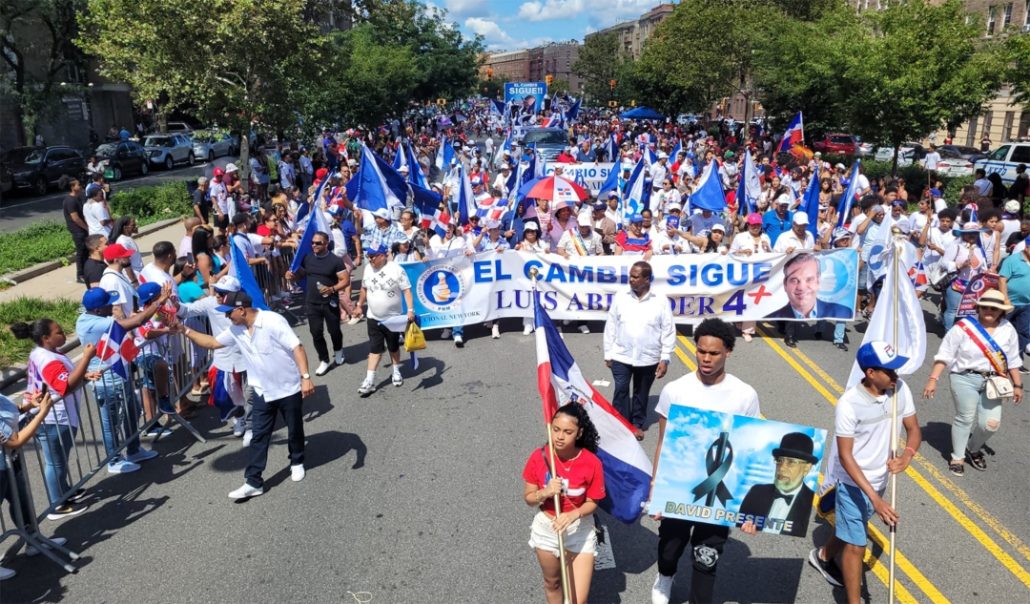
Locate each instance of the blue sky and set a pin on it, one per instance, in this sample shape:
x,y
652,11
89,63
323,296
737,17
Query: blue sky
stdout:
x,y
510,24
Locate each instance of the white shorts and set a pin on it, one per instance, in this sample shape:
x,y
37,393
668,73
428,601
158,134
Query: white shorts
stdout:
x,y
579,536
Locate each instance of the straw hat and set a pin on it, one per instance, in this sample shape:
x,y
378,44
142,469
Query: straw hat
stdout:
x,y
993,298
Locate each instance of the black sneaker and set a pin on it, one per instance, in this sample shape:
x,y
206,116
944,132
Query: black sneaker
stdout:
x,y
977,460
841,346
957,468
827,568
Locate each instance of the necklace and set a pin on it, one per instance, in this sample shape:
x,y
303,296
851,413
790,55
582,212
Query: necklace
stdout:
x,y
562,462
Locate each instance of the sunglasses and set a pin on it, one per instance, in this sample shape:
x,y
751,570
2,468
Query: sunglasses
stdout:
x,y
318,243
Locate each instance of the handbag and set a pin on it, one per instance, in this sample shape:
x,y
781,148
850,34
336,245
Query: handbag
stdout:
x,y
942,281
998,387
414,339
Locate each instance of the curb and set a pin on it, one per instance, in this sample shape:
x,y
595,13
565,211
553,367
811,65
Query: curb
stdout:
x,y
45,267
12,375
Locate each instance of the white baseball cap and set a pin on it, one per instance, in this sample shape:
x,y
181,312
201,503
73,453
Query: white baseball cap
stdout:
x,y
800,218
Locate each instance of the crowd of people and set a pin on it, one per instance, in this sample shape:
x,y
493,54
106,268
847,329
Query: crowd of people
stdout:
x,y
187,299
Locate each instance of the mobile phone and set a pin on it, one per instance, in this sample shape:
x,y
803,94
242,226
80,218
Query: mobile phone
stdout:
x,y
190,259
44,389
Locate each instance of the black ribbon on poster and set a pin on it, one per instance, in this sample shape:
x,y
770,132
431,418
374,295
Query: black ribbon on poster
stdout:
x,y
717,463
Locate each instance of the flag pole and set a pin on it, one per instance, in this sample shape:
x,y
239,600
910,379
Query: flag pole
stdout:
x,y
896,268
566,585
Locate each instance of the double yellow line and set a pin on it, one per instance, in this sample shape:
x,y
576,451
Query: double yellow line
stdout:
x,y
797,359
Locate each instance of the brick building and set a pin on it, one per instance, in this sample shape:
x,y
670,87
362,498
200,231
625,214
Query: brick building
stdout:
x,y
633,33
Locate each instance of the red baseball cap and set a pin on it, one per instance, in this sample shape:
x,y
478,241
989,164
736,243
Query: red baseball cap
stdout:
x,y
219,172
116,250
321,173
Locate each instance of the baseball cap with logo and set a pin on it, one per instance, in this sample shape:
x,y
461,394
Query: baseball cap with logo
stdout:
x,y
98,297
227,285
233,301
147,292
879,354
376,251
636,219
116,250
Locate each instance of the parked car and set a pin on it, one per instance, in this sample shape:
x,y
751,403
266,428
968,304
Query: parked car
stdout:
x,y
549,141
953,163
169,149
837,143
970,153
864,148
37,168
209,144
120,159
1004,160
6,178
908,152
178,128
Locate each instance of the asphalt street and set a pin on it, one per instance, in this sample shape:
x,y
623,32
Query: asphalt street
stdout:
x,y
413,495
20,210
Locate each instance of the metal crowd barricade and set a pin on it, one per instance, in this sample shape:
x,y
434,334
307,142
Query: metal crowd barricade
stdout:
x,y
68,456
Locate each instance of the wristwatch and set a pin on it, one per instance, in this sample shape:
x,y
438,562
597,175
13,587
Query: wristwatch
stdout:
x,y
305,376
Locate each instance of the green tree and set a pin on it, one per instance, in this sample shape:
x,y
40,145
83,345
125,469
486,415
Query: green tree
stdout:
x,y
241,63
598,63
917,67
491,88
1017,49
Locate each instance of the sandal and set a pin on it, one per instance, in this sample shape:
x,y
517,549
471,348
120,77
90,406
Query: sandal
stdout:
x,y
977,460
957,468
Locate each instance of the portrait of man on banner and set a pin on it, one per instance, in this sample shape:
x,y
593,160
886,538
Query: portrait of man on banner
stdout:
x,y
802,277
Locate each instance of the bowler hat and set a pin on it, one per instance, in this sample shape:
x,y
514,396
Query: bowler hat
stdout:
x,y
796,445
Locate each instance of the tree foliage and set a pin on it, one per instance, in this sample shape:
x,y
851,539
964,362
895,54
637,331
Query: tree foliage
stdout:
x,y
1017,49
598,62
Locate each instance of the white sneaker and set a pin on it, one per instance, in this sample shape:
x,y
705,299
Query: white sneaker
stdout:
x,y
32,551
6,573
246,491
297,472
323,367
122,466
662,589
353,320
495,332
459,341
367,387
445,334
398,379
238,427
584,329
528,329
247,437
338,359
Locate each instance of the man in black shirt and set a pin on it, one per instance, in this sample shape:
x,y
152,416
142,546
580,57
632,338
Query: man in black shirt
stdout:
x,y
324,272
202,201
73,218
94,267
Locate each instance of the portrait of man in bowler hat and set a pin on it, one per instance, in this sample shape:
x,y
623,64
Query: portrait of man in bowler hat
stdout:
x,y
786,504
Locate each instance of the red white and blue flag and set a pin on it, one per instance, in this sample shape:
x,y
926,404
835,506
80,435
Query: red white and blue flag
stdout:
x,y
627,469
439,222
795,135
116,349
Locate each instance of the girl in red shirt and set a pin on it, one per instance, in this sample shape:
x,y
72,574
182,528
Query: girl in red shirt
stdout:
x,y
579,485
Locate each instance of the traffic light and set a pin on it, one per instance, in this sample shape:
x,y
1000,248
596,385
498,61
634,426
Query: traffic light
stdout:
x,y
613,104
611,84
489,72
549,79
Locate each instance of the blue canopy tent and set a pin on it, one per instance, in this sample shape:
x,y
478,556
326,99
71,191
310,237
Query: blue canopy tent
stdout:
x,y
642,113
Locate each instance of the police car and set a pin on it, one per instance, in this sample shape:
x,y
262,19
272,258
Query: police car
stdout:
x,y
1004,160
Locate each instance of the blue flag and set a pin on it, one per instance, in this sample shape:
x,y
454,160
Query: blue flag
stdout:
x,y
376,185
810,204
848,199
708,195
444,154
749,189
466,199
247,281
611,183
611,150
315,224
573,113
415,175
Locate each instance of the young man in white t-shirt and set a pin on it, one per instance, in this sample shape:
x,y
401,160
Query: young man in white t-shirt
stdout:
x,y
383,287
862,462
711,388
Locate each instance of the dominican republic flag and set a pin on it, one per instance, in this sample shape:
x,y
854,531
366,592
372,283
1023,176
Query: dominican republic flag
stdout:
x,y
611,150
492,208
749,189
438,221
708,195
810,204
555,121
627,469
117,349
848,199
795,134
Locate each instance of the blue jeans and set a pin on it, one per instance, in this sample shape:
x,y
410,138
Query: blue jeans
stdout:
x,y
951,301
838,332
1020,319
56,441
458,330
977,417
110,402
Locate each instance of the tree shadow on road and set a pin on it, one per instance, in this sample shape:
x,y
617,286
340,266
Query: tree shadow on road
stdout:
x,y
324,448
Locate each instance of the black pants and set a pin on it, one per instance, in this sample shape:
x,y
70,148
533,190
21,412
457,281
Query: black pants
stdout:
x,y
7,491
706,541
81,253
632,408
263,422
330,315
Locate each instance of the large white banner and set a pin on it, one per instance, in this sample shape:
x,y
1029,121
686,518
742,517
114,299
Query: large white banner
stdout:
x,y
465,290
589,175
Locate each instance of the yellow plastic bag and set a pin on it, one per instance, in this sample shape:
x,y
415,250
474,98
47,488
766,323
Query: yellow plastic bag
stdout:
x,y
414,339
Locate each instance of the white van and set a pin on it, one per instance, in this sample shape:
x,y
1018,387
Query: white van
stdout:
x,y
1004,160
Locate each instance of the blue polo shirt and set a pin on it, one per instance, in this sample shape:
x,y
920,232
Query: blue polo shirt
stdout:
x,y
1016,270
774,226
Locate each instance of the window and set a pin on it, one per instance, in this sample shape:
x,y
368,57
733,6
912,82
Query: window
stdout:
x,y
971,131
1021,154
1006,130
1007,16
991,19
1026,15
1000,153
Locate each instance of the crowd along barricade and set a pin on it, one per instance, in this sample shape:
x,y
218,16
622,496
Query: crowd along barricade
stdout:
x,y
105,418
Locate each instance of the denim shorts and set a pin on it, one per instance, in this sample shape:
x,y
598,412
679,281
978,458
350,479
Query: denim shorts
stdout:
x,y
854,509
146,363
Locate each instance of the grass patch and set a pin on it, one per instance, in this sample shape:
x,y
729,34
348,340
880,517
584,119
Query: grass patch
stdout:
x,y
50,240
14,351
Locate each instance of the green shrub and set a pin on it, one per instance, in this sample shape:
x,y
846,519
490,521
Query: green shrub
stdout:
x,y
150,204
37,243
14,351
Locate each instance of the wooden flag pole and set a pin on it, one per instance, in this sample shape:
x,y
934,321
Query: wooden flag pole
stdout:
x,y
896,268
566,585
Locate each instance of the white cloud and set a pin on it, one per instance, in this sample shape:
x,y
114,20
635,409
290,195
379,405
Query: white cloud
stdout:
x,y
601,12
491,32
466,7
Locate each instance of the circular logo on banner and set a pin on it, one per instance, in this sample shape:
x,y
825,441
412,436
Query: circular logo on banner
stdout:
x,y
838,279
440,288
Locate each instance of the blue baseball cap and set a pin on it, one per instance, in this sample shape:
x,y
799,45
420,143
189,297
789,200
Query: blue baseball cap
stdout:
x,y
147,292
98,297
879,354
376,251
635,218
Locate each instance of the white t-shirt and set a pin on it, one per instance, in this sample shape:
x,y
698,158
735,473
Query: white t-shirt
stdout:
x,y
746,241
383,290
95,215
113,281
130,244
731,395
867,419
266,354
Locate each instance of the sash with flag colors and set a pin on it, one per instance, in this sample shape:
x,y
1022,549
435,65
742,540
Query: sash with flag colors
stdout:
x,y
795,135
116,349
627,469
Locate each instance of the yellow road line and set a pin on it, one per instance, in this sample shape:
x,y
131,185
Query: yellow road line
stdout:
x,y
686,360
928,466
907,568
1001,555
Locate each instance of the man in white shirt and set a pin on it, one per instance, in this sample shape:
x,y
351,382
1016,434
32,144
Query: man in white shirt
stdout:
x,y
115,282
384,286
277,368
797,238
709,388
931,160
584,241
862,461
639,337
